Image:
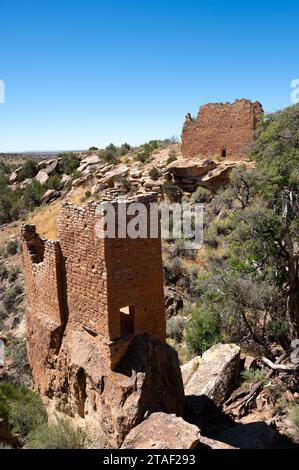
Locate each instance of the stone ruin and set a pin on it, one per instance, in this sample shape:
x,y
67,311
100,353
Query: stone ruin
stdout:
x,y
96,324
221,130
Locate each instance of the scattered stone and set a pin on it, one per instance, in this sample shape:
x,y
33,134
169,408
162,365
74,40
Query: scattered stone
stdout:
x,y
163,431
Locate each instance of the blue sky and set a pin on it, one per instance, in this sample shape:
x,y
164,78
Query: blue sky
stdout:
x,y
89,72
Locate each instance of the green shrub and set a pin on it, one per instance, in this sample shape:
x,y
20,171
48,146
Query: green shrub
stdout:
x,y
124,149
61,435
142,157
254,376
295,416
3,272
203,330
124,182
54,182
13,273
172,157
22,408
173,270
171,191
201,195
154,173
33,195
28,170
12,247
93,149
211,236
88,194
75,175
10,296
69,162
175,328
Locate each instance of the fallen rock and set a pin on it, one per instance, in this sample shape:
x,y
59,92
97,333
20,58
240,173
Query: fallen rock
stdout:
x,y
25,183
14,177
163,431
213,444
213,376
113,174
217,177
45,164
51,195
42,177
65,179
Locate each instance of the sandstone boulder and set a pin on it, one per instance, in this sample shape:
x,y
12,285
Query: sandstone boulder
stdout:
x,y
209,443
191,168
213,376
218,176
91,160
42,177
51,195
163,431
110,176
14,177
45,163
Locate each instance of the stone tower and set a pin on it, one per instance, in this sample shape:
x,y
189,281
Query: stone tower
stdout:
x,y
112,288
221,130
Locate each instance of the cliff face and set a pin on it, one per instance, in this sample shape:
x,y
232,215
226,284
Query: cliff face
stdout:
x,y
221,130
76,380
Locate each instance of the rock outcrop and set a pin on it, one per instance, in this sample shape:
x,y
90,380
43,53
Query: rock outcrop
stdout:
x,y
189,174
213,375
163,431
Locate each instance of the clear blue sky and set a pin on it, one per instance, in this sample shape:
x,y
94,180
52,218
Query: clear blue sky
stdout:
x,y
90,72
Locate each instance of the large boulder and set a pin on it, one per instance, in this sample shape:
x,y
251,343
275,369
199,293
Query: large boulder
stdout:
x,y
91,160
217,177
189,174
211,377
14,177
191,168
163,431
42,177
70,373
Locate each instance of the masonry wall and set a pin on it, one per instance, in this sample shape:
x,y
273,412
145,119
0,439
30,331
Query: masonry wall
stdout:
x,y
221,130
43,282
135,279
85,271
83,281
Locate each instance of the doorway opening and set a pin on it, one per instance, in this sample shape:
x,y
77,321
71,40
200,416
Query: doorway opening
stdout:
x,y
223,153
127,321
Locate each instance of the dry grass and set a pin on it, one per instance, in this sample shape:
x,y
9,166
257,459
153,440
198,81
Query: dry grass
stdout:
x,y
45,219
